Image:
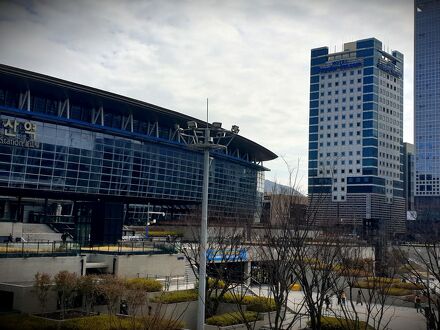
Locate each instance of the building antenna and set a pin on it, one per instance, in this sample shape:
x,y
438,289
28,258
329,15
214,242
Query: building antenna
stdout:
x,y
207,112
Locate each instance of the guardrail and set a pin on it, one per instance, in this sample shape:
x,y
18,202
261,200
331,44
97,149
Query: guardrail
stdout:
x,y
60,248
38,249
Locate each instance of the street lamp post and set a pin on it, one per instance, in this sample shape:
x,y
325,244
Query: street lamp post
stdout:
x,y
205,139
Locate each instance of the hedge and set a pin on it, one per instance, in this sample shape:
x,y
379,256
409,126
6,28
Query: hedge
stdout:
x,y
145,284
227,319
177,296
332,323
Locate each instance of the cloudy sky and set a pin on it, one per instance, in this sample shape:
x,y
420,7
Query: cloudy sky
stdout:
x,y
249,57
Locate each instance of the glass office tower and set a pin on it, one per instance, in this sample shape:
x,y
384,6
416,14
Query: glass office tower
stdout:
x,y
427,108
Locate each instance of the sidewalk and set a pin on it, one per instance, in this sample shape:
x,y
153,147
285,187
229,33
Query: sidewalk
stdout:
x,y
400,318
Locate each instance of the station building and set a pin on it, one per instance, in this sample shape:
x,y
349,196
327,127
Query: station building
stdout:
x,y
76,155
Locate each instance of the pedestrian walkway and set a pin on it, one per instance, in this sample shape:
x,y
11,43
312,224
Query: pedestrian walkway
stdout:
x,y
399,318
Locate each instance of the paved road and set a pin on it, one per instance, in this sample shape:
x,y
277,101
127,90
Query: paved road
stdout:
x,y
401,318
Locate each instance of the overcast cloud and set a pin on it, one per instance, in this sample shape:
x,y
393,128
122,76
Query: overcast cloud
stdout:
x,y
250,58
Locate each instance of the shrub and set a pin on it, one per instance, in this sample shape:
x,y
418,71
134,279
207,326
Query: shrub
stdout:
x,y
177,296
227,319
145,284
332,323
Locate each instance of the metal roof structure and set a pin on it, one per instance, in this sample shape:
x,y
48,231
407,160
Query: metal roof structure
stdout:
x,y
60,89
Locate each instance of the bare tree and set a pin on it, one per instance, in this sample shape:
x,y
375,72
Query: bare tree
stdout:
x,y
422,269
65,285
87,287
225,247
42,286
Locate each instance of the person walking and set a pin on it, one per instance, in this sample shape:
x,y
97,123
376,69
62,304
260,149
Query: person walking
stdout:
x,y
359,297
343,298
417,302
338,295
327,302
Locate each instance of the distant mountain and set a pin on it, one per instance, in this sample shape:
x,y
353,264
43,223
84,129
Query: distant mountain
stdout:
x,y
273,187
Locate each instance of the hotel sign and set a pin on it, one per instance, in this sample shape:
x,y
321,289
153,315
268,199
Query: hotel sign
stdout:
x,y
18,133
340,65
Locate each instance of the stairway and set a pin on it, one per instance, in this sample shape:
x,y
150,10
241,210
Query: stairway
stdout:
x,y
33,232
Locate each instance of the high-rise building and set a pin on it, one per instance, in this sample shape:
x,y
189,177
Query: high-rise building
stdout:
x,y
408,177
356,137
427,108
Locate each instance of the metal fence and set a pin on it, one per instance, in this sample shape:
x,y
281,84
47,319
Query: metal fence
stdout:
x,y
38,248
60,248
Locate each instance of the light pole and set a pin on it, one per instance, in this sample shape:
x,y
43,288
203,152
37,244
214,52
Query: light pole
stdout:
x,y
209,138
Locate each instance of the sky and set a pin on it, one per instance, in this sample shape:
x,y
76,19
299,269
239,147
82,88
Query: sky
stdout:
x,y
250,58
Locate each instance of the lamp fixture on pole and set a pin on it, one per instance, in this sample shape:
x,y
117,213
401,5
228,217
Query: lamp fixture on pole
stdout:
x,y
211,137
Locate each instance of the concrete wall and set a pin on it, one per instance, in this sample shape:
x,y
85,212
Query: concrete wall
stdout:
x,y
25,299
184,311
23,269
150,265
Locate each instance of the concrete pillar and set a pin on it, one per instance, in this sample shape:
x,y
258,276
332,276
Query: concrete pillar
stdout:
x,y
247,272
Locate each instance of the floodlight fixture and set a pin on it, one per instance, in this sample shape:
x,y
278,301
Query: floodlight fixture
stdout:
x,y
192,124
217,124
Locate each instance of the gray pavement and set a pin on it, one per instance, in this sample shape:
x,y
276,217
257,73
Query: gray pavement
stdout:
x,y
400,318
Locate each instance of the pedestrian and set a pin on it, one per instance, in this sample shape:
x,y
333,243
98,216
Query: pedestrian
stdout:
x,y
327,302
10,238
359,297
338,295
417,302
343,298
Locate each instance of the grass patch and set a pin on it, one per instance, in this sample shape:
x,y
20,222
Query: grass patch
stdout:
x,y
177,296
332,323
145,284
389,286
228,319
97,322
254,304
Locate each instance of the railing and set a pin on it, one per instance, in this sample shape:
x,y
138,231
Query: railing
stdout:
x,y
38,249
60,248
172,282
132,247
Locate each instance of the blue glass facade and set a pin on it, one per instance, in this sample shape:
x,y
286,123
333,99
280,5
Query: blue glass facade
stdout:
x,y
88,147
427,98
427,108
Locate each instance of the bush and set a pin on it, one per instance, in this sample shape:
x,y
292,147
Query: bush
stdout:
x,y
227,319
177,296
332,323
145,284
